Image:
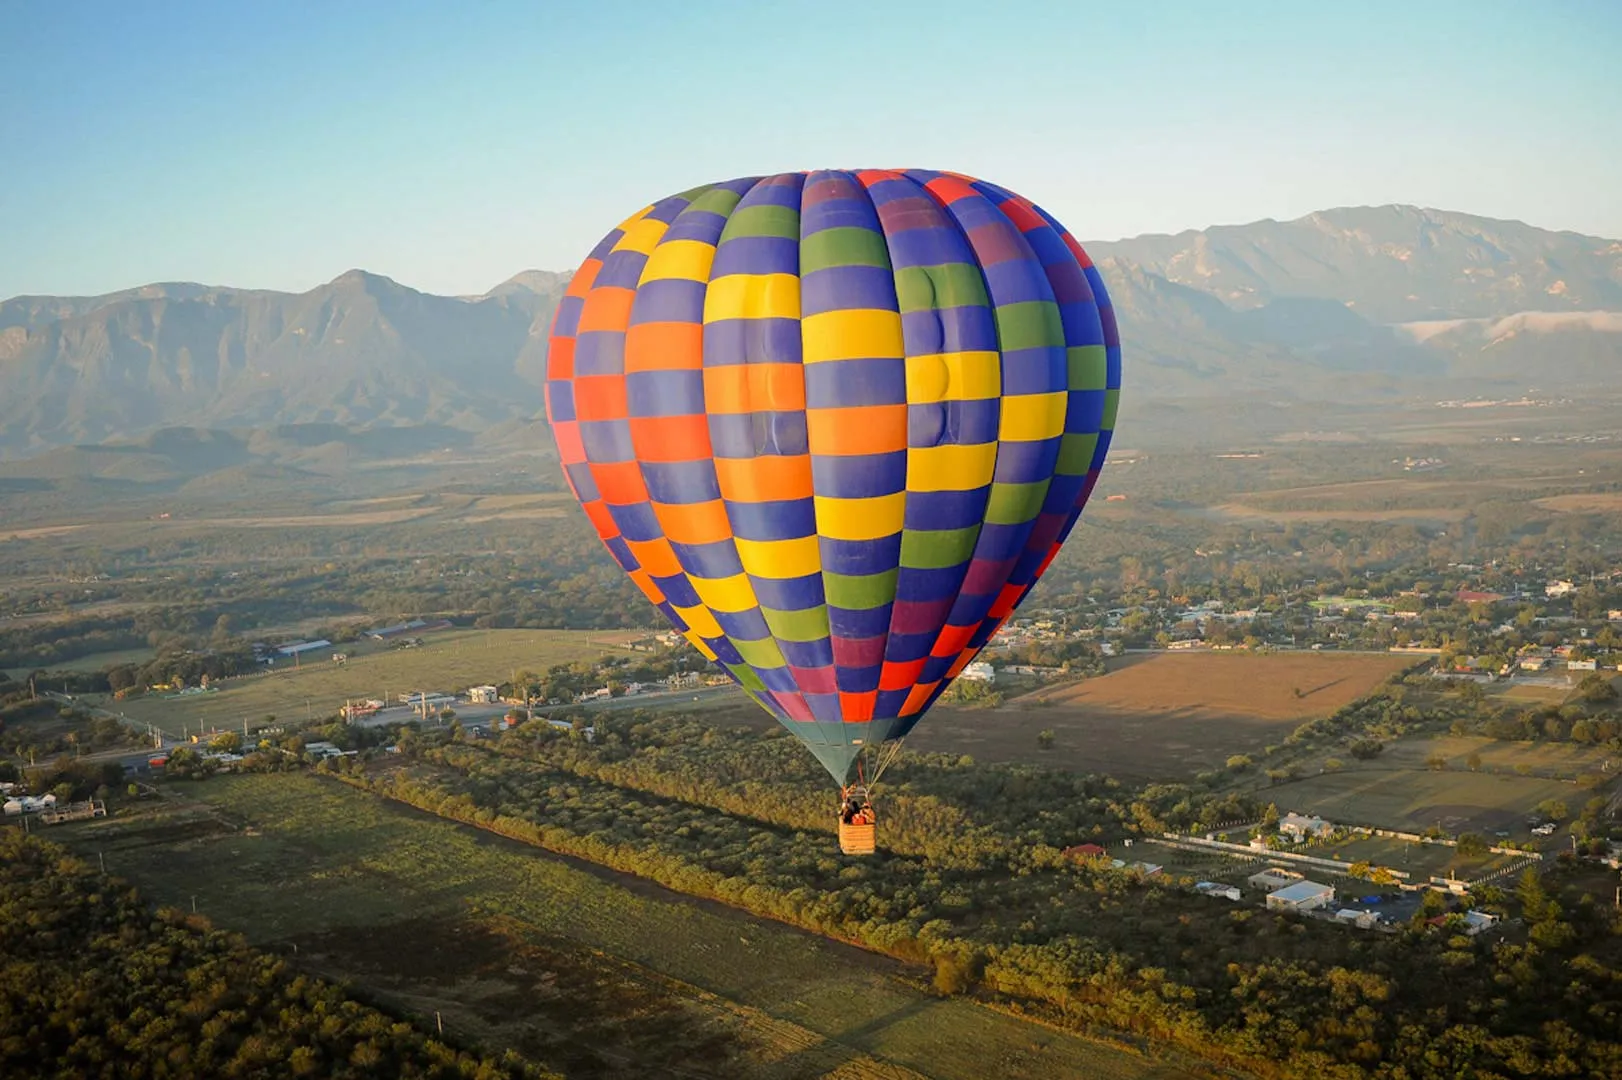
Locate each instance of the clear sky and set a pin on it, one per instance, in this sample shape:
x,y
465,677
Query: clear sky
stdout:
x,y
278,143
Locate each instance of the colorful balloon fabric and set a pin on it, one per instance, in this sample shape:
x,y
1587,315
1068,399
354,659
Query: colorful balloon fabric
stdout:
x,y
835,425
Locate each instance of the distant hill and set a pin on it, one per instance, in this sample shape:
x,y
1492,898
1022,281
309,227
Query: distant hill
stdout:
x,y
1344,305
361,349
1390,264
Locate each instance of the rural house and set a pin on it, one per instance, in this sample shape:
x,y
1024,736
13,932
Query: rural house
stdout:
x,y
1217,888
1301,827
979,671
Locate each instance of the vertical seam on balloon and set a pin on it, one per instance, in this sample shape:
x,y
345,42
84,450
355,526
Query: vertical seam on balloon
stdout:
x,y
979,266
641,465
771,634
1101,298
826,737
952,222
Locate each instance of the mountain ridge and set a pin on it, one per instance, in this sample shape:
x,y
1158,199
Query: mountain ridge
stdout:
x,y
1362,302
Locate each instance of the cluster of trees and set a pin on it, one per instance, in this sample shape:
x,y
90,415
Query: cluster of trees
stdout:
x,y
93,983
39,729
974,881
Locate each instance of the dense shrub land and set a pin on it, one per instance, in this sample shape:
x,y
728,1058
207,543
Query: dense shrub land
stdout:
x,y
975,883
93,983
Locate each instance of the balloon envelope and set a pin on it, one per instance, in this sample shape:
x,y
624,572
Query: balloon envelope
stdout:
x,y
835,425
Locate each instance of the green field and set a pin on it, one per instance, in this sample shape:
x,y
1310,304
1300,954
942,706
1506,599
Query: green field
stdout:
x,y
403,903
449,662
1417,799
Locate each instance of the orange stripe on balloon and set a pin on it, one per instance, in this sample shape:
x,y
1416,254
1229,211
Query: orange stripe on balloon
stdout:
x,y
1022,214
869,177
560,358
664,346
857,708
571,450
620,482
949,189
898,675
1004,603
608,308
694,523
857,429
600,397
580,283
953,640
670,438
765,479
645,583
918,696
656,557
601,519
742,388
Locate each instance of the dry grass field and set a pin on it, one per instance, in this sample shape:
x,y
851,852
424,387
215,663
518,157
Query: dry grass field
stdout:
x,y
449,662
1162,715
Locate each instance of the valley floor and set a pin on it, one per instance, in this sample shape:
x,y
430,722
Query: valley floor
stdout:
x,y
594,972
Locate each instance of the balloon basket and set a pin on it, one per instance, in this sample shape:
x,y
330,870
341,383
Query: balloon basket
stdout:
x,y
858,839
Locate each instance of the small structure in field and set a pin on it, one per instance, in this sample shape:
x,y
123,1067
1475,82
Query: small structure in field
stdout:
x,y
1274,877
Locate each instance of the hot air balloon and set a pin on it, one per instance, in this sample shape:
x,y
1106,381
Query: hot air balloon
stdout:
x,y
835,425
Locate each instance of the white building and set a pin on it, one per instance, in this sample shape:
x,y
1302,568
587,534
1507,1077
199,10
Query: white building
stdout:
x,y
1302,896
1217,888
979,671
1363,920
1302,828
1559,588
28,804
482,695
1477,921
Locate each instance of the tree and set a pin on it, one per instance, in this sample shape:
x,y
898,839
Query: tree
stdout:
x,y
1473,762
226,742
1044,739
1553,809
1596,689
1472,845
1436,762
1239,762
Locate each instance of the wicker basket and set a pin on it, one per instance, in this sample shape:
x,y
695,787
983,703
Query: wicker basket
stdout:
x,y
857,839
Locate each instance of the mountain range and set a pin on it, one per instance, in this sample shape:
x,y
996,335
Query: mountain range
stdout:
x,y
1363,303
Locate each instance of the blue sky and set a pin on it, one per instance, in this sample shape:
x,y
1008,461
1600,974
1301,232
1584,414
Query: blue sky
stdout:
x,y
278,144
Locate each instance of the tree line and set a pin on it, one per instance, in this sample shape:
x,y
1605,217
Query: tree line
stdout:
x,y
95,983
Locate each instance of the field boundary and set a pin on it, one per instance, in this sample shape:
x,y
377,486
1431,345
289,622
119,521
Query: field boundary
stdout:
x,y
1196,843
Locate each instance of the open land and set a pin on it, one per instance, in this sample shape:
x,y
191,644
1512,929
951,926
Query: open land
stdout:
x,y
1417,799
1162,715
449,661
603,974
